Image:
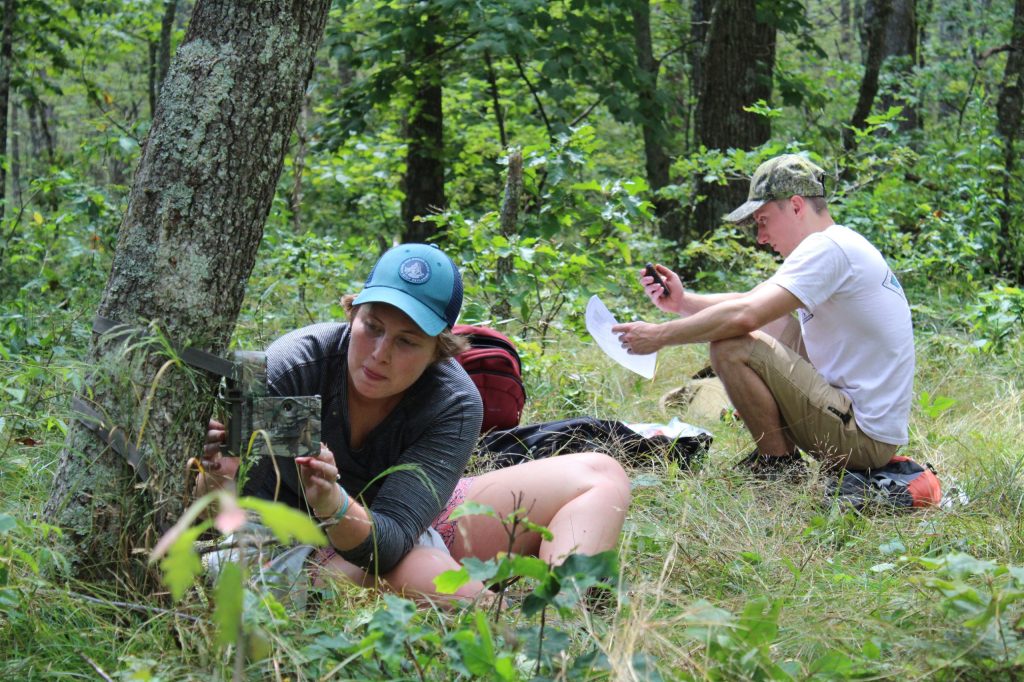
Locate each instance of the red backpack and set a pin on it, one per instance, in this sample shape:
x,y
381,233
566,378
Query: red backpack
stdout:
x,y
493,364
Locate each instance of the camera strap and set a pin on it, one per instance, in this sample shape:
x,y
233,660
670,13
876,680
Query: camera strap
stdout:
x,y
113,435
191,356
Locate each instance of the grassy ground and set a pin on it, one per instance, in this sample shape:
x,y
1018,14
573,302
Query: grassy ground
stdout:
x,y
722,577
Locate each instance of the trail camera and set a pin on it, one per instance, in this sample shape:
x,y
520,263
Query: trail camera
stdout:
x,y
286,426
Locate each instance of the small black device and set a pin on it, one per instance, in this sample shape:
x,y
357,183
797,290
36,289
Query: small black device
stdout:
x,y
651,272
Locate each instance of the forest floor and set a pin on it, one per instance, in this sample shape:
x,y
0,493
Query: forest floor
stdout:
x,y
722,577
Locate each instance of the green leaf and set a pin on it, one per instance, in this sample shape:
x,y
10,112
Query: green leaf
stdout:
x,y
760,621
984,617
477,649
181,565
471,508
542,595
894,546
449,582
227,615
834,664
1017,573
505,668
529,525
530,567
483,570
7,522
484,630
17,393
961,565
286,523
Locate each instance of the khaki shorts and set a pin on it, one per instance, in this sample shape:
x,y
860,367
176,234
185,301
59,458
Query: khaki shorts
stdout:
x,y
817,417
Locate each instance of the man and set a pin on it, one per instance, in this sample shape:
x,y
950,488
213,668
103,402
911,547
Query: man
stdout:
x,y
847,400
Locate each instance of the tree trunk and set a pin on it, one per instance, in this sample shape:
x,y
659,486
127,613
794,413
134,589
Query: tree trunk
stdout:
x,y
423,183
163,52
738,64
700,19
1009,112
6,54
15,135
845,20
160,53
656,158
900,45
874,34
492,86
502,310
151,77
185,250
299,166
43,145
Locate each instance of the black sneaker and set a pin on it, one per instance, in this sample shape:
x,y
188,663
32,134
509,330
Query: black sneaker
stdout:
x,y
789,468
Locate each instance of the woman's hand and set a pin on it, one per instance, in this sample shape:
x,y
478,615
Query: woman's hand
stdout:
x,y
218,471
320,481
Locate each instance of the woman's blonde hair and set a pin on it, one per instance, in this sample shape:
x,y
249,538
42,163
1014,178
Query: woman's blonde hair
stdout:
x,y
448,344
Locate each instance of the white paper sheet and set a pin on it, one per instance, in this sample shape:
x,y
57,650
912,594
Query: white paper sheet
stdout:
x,y
599,324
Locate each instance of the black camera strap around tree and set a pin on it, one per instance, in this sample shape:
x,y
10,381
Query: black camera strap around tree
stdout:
x,y
114,436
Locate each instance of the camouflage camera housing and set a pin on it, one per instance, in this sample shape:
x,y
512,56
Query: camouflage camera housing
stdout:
x,y
283,426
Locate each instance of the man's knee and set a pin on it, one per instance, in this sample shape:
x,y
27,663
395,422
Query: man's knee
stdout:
x,y
731,351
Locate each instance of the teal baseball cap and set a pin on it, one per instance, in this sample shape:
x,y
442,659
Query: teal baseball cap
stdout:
x,y
421,281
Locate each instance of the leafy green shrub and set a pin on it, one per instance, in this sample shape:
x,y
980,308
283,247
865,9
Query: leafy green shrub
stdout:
x,y
987,598
996,319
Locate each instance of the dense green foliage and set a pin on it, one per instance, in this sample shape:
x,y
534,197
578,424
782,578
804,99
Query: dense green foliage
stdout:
x,y
717,578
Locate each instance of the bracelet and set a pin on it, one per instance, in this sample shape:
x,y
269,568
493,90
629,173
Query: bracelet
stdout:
x,y
340,514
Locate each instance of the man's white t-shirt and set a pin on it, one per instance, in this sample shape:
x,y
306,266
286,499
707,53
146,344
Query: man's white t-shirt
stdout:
x,y
856,326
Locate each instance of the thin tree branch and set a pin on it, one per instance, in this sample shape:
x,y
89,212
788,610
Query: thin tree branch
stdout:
x,y
586,112
1008,47
129,605
536,96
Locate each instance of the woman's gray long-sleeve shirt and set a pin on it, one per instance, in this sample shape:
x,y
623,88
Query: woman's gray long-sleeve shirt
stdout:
x,y
434,428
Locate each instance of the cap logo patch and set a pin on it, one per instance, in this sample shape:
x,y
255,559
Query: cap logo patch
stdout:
x,y
414,270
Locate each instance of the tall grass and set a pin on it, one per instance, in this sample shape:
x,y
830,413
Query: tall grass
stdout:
x,y
706,556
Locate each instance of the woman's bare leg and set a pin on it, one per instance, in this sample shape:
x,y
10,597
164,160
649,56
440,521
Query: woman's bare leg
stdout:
x,y
413,576
581,498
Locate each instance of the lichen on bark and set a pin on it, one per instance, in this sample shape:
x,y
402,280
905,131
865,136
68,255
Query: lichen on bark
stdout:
x,y
185,250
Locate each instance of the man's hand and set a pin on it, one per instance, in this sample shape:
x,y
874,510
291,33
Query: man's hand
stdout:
x,y
639,338
673,302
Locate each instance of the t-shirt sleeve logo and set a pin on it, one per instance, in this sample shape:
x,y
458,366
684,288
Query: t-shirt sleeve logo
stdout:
x,y
892,284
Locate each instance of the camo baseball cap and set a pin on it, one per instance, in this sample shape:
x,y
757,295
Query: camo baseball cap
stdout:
x,y
421,281
780,178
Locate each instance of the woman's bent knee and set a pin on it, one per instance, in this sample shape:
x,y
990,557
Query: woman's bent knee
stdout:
x,y
602,471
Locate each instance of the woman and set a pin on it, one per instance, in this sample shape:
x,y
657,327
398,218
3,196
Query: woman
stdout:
x,y
393,396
